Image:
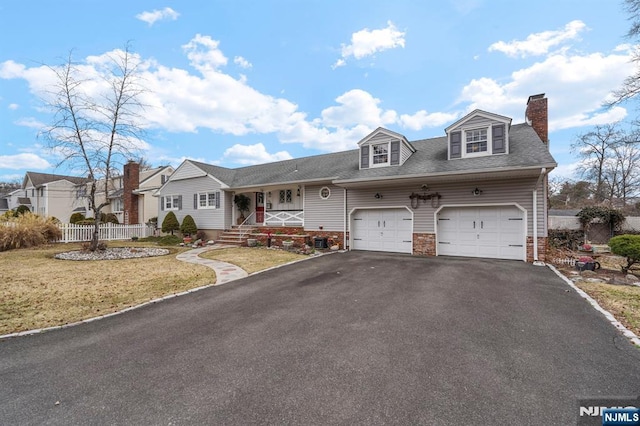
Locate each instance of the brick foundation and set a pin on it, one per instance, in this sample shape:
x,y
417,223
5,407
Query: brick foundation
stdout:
x,y
424,244
542,249
298,235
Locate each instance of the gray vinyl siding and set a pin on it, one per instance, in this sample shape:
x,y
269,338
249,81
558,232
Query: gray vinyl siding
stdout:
x,y
187,171
454,194
405,152
204,218
379,138
326,213
477,122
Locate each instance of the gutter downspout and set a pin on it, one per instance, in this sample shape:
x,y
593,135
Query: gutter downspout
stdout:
x,y
543,172
344,221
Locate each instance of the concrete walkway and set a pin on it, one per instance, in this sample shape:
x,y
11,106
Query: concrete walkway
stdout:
x,y
225,272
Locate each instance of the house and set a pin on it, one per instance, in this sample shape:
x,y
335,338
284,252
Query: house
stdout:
x,y
131,195
49,194
480,191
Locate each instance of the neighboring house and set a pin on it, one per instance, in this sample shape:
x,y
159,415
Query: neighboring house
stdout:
x,y
131,197
60,196
478,191
48,194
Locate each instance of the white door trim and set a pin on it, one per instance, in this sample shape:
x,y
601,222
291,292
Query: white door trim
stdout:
x,y
355,209
518,206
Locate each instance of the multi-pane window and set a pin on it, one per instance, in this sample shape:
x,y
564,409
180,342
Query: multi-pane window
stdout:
x,y
476,141
286,196
207,200
118,205
172,202
380,153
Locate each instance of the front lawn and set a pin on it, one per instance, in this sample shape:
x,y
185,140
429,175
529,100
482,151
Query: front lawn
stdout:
x,y
621,300
38,291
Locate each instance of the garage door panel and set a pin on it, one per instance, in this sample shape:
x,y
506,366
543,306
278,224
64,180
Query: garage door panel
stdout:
x,y
388,230
491,232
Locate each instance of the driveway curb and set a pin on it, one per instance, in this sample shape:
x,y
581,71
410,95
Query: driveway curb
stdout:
x,y
617,324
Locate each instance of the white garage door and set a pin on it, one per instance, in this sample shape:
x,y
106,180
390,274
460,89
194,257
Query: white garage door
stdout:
x,y
494,232
382,230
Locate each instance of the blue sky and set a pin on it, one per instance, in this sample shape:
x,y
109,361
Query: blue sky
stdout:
x,y
244,82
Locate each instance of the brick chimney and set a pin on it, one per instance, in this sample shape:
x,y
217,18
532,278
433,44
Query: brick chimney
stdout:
x,y
536,115
131,181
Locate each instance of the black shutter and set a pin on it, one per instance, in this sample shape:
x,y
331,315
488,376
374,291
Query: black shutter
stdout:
x,y
161,204
195,201
395,153
217,199
364,157
499,145
455,145
179,202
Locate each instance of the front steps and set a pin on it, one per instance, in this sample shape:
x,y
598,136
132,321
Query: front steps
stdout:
x,y
236,236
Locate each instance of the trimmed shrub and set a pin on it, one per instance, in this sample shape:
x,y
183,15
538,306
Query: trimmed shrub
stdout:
x,y
109,218
76,218
28,230
627,246
21,210
87,221
169,240
188,226
170,223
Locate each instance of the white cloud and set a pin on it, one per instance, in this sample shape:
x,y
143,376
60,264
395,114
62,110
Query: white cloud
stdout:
x,y
253,154
539,43
566,171
157,15
23,161
368,42
29,122
422,119
242,62
204,54
181,100
13,107
576,85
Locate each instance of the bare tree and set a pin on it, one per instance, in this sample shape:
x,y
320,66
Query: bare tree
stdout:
x,y
96,122
627,160
631,85
594,148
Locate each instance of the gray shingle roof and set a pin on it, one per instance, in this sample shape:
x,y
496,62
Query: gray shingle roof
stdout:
x,y
42,178
525,150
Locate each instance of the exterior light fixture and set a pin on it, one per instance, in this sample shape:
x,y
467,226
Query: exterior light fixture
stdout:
x,y
378,195
476,191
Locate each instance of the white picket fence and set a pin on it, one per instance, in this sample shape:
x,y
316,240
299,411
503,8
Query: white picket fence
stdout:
x,y
631,223
108,232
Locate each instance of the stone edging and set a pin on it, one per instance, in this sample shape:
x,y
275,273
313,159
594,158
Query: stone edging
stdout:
x,y
617,324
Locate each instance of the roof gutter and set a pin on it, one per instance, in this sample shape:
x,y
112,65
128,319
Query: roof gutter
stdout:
x,y
453,173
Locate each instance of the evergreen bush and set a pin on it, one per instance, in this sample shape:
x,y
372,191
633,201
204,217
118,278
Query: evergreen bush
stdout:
x,y
170,223
188,226
76,217
627,246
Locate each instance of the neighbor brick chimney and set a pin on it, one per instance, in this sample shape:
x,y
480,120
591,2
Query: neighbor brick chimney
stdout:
x,y
536,116
130,182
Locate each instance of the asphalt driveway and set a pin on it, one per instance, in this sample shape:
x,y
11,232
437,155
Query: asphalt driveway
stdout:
x,y
353,338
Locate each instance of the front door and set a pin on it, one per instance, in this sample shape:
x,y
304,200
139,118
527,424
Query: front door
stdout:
x,y
259,208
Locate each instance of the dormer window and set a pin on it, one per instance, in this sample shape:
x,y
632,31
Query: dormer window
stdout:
x,y
476,141
380,154
384,148
478,133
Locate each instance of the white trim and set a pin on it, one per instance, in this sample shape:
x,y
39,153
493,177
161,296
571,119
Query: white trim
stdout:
x,y
354,209
388,154
481,113
164,203
518,206
320,193
389,133
207,207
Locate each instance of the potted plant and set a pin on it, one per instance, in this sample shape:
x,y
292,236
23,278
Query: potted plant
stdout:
x,y
586,263
287,244
242,202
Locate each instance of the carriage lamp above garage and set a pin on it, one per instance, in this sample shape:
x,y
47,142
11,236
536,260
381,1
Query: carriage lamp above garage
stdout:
x,y
378,195
476,191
